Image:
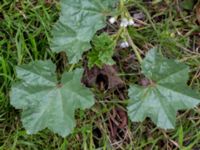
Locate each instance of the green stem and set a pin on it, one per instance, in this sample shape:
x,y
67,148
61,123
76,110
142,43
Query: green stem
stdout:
x,y
71,67
121,4
134,47
118,34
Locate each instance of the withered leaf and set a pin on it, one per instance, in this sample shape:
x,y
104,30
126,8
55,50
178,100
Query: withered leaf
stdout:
x,y
107,75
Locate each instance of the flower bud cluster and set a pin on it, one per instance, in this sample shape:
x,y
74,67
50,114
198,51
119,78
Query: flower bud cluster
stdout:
x,y
124,21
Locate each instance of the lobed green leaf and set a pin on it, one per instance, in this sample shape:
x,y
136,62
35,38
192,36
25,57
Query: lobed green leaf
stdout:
x,y
78,22
47,103
167,93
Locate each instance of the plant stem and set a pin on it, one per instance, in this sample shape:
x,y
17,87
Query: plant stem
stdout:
x,y
121,4
124,13
118,34
134,47
71,67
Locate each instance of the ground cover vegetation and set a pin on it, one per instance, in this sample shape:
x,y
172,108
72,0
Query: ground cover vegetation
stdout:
x,y
111,74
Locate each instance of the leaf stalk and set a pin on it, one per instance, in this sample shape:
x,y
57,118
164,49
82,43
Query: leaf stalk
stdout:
x,y
134,47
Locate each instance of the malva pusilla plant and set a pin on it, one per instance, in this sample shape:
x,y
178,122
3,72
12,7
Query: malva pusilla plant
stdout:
x,y
49,102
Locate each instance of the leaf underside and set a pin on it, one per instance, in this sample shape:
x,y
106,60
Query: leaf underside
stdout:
x,y
45,103
165,96
78,22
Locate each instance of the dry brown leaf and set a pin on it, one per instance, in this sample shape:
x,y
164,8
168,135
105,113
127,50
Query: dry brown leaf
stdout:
x,y
107,75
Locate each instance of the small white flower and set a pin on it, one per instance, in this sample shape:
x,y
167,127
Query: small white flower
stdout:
x,y
131,22
124,44
124,22
112,20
